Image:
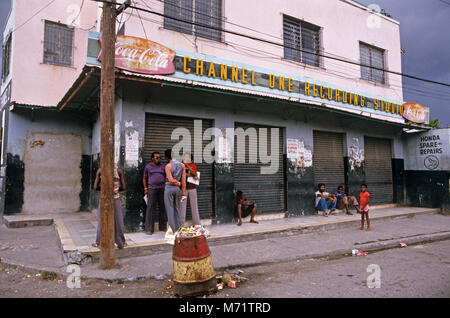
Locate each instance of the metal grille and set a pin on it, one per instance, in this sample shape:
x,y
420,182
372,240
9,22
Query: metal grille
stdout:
x,y
58,44
206,13
267,190
371,56
158,131
328,159
179,9
301,41
378,166
209,13
6,57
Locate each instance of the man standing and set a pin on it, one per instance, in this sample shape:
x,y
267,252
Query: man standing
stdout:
x,y
175,190
154,182
324,200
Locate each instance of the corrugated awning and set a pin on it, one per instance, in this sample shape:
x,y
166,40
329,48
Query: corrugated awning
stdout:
x,y
84,95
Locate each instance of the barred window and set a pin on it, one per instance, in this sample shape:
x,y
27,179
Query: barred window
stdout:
x,y
205,14
301,41
6,57
58,44
371,56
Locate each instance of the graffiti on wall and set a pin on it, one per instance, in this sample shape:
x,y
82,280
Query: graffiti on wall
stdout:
x,y
355,154
299,157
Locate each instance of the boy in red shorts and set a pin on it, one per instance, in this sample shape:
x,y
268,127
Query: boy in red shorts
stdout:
x,y
364,206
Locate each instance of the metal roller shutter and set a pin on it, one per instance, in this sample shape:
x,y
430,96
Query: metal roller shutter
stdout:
x,y
378,165
328,160
267,190
158,130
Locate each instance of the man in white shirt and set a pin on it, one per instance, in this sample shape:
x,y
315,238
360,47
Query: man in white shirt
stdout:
x,y
324,201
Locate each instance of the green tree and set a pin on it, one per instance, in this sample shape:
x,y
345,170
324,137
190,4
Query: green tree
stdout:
x,y
434,123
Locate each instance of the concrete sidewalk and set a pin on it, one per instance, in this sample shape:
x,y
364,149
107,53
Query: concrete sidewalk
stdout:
x,y
42,247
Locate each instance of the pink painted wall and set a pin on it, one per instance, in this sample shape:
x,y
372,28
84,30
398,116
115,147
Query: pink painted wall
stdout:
x,y
33,82
343,25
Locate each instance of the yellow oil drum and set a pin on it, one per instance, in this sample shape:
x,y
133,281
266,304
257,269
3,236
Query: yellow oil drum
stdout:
x,y
193,270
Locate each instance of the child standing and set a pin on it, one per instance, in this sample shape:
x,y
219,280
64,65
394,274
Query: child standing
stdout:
x,y
364,206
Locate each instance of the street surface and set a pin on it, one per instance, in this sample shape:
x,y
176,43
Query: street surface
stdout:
x,y
415,271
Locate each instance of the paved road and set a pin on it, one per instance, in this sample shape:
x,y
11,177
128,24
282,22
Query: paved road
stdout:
x,y
414,271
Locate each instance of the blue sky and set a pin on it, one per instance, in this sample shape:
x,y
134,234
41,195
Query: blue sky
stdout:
x,y
425,37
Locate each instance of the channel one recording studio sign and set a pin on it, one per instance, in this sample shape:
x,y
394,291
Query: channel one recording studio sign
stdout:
x,y
429,151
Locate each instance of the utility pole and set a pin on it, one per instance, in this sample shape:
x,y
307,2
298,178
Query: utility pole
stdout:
x,y
107,259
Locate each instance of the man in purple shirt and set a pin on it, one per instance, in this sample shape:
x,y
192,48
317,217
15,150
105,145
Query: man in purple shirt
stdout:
x,y
154,182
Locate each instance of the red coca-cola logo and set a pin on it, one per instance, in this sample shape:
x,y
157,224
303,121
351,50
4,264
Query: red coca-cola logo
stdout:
x,y
142,56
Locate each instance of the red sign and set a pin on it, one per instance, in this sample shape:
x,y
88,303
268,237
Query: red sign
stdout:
x,y
142,56
415,112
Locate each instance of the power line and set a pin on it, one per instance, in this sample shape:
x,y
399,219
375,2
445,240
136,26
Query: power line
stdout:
x,y
33,16
282,45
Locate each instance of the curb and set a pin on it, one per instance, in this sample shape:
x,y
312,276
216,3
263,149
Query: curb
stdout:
x,y
158,247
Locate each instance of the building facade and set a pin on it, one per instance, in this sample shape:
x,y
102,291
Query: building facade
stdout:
x,y
270,97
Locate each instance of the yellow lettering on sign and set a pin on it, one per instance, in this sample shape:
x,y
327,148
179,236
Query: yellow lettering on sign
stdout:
x,y
330,93
234,74
199,67
290,84
186,69
212,71
314,90
306,88
350,97
223,72
244,76
362,101
337,95
382,105
401,109
281,83
344,97
272,81
398,108
392,108
375,104
322,95
253,78
355,100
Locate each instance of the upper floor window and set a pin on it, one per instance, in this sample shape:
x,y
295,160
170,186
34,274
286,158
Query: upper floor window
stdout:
x,y
6,57
58,44
374,57
301,41
202,18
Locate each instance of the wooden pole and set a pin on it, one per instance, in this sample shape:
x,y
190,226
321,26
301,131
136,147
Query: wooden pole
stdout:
x,y
107,259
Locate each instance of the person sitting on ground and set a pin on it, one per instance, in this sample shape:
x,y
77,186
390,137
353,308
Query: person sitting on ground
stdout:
x,y
324,200
244,208
344,201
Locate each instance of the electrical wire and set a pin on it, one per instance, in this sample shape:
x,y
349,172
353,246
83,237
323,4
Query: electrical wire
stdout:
x,y
48,4
282,45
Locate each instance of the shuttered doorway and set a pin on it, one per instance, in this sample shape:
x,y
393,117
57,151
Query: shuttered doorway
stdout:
x,y
378,166
267,190
158,131
328,160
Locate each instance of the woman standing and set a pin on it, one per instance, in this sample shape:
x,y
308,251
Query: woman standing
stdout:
x,y
191,191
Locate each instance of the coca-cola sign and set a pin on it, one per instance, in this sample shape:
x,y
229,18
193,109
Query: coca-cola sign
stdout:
x,y
142,56
415,112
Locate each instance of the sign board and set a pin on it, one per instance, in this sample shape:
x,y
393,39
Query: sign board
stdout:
x,y
415,112
428,151
142,56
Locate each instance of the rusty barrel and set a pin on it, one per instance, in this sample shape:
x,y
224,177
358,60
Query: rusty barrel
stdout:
x,y
193,271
